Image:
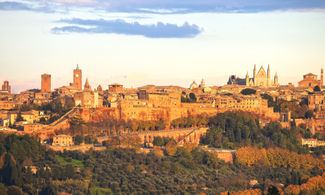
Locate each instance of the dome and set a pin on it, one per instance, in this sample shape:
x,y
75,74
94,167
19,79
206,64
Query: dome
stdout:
x,y
193,85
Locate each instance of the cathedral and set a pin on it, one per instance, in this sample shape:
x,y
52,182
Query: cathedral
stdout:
x,y
260,79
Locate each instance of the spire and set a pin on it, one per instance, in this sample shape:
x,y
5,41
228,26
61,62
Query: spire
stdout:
x,y
247,75
254,75
87,86
276,80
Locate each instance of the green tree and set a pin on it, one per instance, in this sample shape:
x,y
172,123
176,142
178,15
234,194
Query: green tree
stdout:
x,y
78,139
19,117
14,190
49,190
12,175
192,97
316,88
309,114
248,91
158,141
3,189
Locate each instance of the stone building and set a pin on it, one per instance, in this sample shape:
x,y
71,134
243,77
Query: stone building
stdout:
x,y
45,83
88,98
6,87
62,140
193,85
260,79
115,88
310,80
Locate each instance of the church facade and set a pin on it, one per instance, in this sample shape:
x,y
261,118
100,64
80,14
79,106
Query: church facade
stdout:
x,y
259,79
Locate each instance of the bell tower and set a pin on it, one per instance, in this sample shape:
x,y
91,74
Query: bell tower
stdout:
x,y
77,78
321,78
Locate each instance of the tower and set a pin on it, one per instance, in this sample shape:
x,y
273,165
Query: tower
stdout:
x,y
254,74
276,81
77,78
321,78
6,87
46,83
268,75
202,85
87,86
247,79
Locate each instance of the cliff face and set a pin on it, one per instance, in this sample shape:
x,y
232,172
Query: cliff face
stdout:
x,y
155,113
98,114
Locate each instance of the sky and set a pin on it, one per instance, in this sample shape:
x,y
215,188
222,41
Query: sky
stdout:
x,y
160,42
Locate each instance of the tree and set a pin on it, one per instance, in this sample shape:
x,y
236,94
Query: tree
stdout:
x,y
248,91
14,190
48,190
269,99
171,148
11,173
78,139
316,88
19,117
309,114
192,97
158,141
3,189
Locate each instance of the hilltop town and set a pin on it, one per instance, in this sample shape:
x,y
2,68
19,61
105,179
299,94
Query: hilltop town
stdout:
x,y
44,112
103,141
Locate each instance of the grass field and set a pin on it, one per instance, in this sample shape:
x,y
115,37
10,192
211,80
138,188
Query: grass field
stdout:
x,y
74,162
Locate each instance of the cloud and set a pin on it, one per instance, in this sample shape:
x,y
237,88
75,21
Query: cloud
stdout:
x,y
159,30
7,5
177,7
27,6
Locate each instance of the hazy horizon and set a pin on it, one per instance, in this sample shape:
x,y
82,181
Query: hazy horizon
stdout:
x,y
160,42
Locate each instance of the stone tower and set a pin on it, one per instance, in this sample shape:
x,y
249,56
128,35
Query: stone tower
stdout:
x,y
247,79
254,74
46,83
77,78
321,78
87,85
276,79
268,75
6,87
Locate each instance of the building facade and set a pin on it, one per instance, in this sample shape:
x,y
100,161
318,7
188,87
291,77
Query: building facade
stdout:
x,y
310,80
62,140
259,79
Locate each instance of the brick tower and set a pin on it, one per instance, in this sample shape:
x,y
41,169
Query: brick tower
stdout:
x,y
321,78
77,78
6,87
46,83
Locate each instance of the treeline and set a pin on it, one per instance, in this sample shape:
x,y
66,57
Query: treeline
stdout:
x,y
297,109
314,185
190,121
237,129
26,166
276,158
184,170
111,126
